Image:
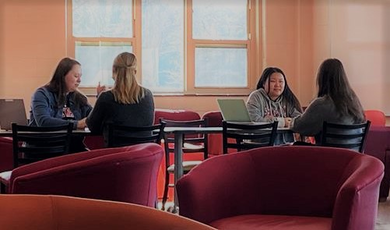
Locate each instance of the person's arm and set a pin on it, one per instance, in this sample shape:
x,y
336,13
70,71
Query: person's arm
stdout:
x,y
255,106
95,119
311,121
44,110
293,112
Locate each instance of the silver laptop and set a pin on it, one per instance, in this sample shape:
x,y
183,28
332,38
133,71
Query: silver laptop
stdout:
x,y
12,110
233,109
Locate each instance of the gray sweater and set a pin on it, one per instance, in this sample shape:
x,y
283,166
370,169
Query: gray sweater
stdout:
x,y
262,108
107,110
311,121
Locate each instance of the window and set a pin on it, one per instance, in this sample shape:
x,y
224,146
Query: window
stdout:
x,y
183,46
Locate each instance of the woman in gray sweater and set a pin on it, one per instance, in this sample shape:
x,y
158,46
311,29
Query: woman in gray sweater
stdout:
x,y
336,102
274,101
127,103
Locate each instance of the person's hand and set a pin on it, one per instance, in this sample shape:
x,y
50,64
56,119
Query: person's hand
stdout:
x,y
81,124
100,88
287,122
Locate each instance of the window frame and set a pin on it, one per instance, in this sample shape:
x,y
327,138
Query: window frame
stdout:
x,y
190,44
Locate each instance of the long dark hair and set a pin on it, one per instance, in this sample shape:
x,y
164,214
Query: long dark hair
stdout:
x,y
287,94
57,83
332,82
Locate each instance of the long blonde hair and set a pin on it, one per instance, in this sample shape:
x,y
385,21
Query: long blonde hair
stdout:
x,y
126,89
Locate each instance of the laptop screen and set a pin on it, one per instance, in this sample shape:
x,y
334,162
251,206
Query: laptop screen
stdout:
x,y
12,110
233,109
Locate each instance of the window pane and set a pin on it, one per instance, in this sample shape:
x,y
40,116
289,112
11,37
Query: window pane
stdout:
x,y
220,19
102,18
162,45
96,61
221,67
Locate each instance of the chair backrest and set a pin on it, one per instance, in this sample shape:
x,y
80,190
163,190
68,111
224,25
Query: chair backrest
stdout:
x,y
345,136
192,139
174,115
248,136
214,118
31,144
376,117
120,135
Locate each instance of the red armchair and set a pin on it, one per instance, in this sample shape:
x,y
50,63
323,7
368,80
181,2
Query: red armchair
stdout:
x,y
6,154
378,145
376,117
291,187
33,212
127,174
175,115
214,119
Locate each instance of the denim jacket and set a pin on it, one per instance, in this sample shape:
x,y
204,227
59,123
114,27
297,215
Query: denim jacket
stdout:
x,y
45,110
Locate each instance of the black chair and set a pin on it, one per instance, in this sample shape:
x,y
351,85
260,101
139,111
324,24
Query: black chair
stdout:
x,y
243,136
31,144
192,143
345,136
120,135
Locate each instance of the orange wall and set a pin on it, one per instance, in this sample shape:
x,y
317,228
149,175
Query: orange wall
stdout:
x,y
295,35
357,32
32,41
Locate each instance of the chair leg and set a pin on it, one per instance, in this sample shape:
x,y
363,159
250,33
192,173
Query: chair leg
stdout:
x,y
166,187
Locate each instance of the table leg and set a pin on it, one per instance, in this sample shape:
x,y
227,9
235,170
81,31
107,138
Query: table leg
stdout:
x,y
178,165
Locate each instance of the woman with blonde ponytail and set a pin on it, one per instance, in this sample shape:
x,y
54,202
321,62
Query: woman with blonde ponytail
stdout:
x,y
127,103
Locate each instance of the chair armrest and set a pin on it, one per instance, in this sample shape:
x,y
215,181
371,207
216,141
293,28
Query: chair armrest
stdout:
x,y
62,160
356,194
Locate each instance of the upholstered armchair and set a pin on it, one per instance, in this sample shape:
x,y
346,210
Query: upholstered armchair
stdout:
x,y
290,187
127,174
6,154
378,145
214,119
33,212
377,117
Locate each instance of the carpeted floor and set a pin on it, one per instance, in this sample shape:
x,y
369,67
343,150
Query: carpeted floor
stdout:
x,y
383,219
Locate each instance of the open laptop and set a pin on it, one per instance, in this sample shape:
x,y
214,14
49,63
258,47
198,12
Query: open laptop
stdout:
x,y
12,110
233,109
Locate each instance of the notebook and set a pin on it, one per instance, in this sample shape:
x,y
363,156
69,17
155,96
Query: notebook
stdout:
x,y
233,109
12,110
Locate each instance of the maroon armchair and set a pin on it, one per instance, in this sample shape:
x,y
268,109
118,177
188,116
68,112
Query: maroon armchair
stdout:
x,y
175,115
6,154
214,119
127,174
290,187
378,145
